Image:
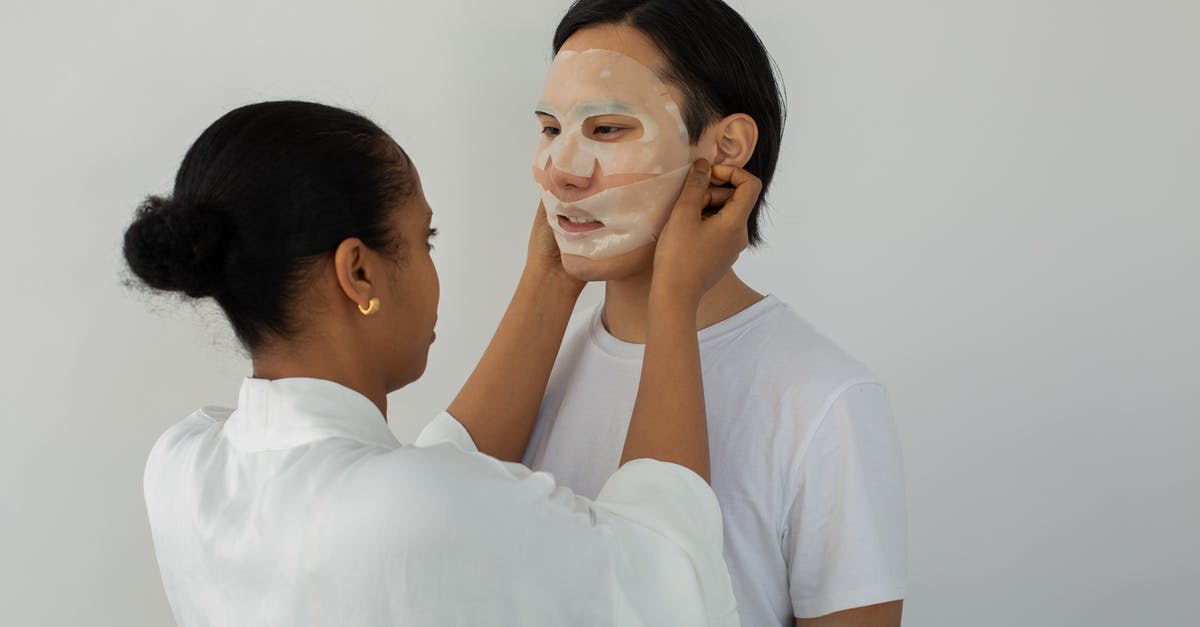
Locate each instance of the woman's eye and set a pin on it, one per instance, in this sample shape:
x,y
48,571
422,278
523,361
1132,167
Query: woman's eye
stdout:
x,y
604,131
433,232
551,131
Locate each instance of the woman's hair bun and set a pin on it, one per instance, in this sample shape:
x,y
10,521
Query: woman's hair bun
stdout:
x,y
175,248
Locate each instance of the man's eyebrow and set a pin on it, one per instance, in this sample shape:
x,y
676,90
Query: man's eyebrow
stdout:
x,y
589,109
602,107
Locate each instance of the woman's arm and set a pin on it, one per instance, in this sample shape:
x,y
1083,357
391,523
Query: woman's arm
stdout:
x,y
498,404
669,422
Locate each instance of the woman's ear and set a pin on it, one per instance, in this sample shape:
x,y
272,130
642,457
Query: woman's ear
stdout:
x,y
735,138
351,268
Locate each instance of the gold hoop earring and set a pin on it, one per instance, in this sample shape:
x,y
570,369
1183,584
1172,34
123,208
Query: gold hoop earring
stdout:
x,y
371,309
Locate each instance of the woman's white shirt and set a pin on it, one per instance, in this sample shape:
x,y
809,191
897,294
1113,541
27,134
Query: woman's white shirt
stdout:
x,y
301,508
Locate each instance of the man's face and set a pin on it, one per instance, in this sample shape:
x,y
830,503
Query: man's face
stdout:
x,y
614,152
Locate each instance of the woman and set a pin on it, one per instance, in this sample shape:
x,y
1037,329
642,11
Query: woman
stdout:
x,y
308,226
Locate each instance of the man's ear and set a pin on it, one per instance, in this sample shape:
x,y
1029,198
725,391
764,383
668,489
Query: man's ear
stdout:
x,y
351,268
735,137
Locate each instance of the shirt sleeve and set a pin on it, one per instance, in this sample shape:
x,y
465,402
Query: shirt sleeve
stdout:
x,y
648,551
668,516
846,531
445,428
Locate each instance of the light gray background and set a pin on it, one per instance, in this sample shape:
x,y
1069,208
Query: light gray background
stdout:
x,y
993,203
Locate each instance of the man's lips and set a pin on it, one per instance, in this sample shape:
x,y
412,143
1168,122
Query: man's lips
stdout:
x,y
583,224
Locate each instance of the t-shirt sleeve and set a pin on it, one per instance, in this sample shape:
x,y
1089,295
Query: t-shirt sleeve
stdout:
x,y
445,428
846,531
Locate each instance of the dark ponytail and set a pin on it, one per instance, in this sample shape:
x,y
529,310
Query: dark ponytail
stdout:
x,y
177,249
264,193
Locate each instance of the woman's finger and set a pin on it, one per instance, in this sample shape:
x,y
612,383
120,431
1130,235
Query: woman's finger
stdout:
x,y
718,196
723,173
746,189
692,198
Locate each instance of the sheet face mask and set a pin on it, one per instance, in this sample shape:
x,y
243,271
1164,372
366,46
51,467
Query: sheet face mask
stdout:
x,y
632,182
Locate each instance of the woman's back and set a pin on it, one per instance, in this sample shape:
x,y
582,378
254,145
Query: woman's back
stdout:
x,y
300,507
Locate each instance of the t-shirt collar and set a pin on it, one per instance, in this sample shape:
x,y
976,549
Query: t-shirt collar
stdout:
x,y
708,336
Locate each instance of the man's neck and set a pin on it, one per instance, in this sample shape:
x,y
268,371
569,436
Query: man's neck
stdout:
x,y
627,302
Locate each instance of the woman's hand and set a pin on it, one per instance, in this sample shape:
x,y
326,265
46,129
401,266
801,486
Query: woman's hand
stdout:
x,y
695,251
669,420
544,259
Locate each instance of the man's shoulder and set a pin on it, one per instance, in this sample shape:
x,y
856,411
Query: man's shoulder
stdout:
x,y
786,355
768,348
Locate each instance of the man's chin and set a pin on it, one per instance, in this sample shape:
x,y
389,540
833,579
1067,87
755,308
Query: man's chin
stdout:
x,y
635,262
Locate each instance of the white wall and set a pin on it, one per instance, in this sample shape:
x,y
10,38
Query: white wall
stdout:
x,y
993,203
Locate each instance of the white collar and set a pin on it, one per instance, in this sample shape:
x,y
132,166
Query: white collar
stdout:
x,y
285,413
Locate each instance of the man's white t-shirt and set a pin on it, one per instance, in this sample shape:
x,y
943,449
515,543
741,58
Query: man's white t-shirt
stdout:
x,y
806,460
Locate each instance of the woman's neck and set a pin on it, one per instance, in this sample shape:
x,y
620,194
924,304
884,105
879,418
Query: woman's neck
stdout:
x,y
330,361
627,303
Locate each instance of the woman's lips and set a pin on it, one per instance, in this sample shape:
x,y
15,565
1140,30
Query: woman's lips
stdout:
x,y
588,226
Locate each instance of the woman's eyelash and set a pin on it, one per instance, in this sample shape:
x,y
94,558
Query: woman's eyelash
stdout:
x,y
550,130
433,232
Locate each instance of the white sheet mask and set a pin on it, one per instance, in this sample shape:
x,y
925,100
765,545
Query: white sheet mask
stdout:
x,y
631,183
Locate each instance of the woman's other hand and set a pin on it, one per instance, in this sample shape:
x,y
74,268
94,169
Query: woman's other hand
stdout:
x,y
544,258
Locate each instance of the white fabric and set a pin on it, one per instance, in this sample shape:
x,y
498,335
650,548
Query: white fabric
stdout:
x,y
806,459
301,508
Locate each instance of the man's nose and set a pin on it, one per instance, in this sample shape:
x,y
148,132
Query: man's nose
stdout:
x,y
563,178
570,165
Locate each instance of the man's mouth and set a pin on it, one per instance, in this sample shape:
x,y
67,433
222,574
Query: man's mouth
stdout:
x,y
579,223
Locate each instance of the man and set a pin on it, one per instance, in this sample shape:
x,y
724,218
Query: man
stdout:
x,y
805,457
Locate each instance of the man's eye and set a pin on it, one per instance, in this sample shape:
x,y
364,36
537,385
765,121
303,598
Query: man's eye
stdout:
x,y
551,131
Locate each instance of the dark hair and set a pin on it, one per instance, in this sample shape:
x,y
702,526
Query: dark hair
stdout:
x,y
263,193
714,57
